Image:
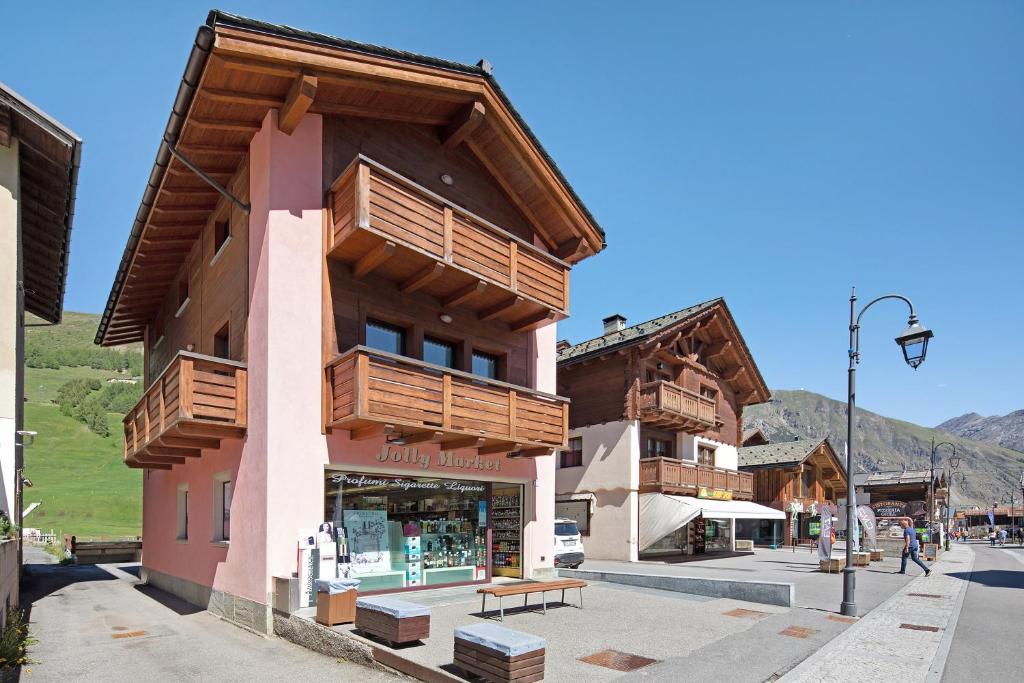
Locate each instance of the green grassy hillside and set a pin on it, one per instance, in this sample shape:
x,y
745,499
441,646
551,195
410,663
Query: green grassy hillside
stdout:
x,y
78,477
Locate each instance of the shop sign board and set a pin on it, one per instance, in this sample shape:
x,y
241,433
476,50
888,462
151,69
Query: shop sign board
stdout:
x,y
890,508
412,457
714,494
401,484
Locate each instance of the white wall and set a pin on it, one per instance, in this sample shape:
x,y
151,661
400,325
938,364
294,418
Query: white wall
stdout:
x,y
611,473
8,319
726,455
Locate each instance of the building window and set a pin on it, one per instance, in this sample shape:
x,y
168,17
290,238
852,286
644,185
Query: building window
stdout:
x,y
222,342
573,455
439,352
706,456
806,479
384,337
221,236
182,510
485,365
708,392
658,448
222,507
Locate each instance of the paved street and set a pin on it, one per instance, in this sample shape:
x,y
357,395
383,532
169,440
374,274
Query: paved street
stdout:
x,y
987,642
96,623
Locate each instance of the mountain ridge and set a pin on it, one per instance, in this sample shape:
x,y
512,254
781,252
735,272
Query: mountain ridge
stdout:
x,y
885,443
1003,430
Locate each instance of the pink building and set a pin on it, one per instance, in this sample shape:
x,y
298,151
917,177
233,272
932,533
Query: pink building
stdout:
x,y
345,271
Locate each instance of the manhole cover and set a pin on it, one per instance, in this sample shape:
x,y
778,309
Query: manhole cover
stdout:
x,y
746,613
919,627
797,632
924,595
619,661
841,620
128,634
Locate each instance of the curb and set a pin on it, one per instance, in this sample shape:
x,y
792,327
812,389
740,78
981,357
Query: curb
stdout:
x,y
763,592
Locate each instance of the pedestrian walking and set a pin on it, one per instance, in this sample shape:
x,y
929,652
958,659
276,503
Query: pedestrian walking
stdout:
x,y
911,549
1020,536
1002,536
992,538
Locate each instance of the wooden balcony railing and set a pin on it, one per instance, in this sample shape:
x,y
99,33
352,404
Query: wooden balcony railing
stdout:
x,y
669,405
385,223
195,402
668,475
371,392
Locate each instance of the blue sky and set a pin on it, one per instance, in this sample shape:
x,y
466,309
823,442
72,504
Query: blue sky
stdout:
x,y
771,153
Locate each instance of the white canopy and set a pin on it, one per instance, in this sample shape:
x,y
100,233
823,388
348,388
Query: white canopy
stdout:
x,y
661,514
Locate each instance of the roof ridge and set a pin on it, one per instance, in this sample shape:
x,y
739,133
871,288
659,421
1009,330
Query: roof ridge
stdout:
x,y
647,322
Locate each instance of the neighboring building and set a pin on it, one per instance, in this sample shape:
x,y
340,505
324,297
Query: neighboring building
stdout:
x,y
903,494
754,437
655,419
38,175
797,477
356,330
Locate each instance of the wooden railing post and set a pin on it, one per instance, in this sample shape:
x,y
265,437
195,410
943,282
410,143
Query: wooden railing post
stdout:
x,y
447,213
565,289
512,398
184,389
241,397
446,402
363,195
160,388
513,265
362,380
145,418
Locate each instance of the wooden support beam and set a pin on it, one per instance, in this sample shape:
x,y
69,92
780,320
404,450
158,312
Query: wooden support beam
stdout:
x,y
358,111
499,308
422,437
463,442
569,249
735,374
223,124
300,97
240,97
174,452
532,322
534,452
718,349
373,258
422,278
500,447
373,431
171,441
461,296
463,125
213,150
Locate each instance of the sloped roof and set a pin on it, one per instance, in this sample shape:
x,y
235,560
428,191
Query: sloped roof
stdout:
x,y
894,478
634,333
784,453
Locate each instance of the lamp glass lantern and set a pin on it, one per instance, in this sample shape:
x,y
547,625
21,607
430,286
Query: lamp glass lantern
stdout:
x,y
914,342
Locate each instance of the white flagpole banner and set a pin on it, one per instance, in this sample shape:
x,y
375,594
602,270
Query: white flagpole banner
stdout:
x,y
867,518
825,539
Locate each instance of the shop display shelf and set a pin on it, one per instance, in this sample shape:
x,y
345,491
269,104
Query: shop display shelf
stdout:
x,y
440,575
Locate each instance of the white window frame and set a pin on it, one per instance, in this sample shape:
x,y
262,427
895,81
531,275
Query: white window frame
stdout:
x,y
219,479
181,509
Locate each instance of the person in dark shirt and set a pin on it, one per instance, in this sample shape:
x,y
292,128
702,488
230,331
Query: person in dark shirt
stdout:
x,y
911,549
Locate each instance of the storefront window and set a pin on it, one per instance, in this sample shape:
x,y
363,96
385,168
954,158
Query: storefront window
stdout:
x,y
396,532
717,535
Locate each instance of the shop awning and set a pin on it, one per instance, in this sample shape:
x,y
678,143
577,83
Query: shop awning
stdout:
x,y
661,514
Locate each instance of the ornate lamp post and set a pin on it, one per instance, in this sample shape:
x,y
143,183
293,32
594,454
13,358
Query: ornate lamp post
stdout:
x,y
914,343
931,483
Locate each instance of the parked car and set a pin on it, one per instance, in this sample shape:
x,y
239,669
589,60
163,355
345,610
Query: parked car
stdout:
x,y
568,544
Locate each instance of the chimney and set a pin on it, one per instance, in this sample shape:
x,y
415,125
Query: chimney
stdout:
x,y
614,323
562,345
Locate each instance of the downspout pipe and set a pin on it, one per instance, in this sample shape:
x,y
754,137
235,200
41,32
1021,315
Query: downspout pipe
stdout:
x,y
182,102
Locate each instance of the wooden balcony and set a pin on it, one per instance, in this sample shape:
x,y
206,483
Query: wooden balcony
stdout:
x,y
372,393
680,477
387,224
195,402
670,406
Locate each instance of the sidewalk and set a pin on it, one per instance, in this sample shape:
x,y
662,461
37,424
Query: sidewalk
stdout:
x,y
906,638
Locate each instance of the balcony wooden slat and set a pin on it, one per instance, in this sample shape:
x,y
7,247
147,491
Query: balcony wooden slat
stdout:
x,y
416,397
672,406
196,401
373,205
681,477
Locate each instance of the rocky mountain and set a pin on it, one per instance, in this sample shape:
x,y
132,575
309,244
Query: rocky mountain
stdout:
x,y
885,443
1002,430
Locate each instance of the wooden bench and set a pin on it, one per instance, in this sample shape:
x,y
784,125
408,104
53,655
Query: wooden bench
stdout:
x,y
876,555
833,564
526,588
861,559
393,620
499,654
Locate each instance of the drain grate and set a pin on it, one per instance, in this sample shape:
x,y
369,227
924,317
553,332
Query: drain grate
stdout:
x,y
618,661
746,613
128,634
924,595
919,627
841,620
797,632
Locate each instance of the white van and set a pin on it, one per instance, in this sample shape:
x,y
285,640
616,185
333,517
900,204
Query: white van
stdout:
x,y
568,544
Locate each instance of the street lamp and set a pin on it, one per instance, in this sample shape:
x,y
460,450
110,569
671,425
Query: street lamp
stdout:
x,y
914,343
931,483
954,465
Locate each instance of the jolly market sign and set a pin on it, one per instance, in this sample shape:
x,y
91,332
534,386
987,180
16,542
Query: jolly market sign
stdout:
x,y
412,457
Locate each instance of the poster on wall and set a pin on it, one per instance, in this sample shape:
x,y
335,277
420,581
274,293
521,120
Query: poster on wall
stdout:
x,y
367,534
699,540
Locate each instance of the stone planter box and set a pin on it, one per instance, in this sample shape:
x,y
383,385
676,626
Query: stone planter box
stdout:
x,y
861,559
876,555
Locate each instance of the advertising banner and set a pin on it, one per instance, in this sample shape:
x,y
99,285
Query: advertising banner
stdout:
x,y
825,540
991,518
867,519
367,532
891,508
